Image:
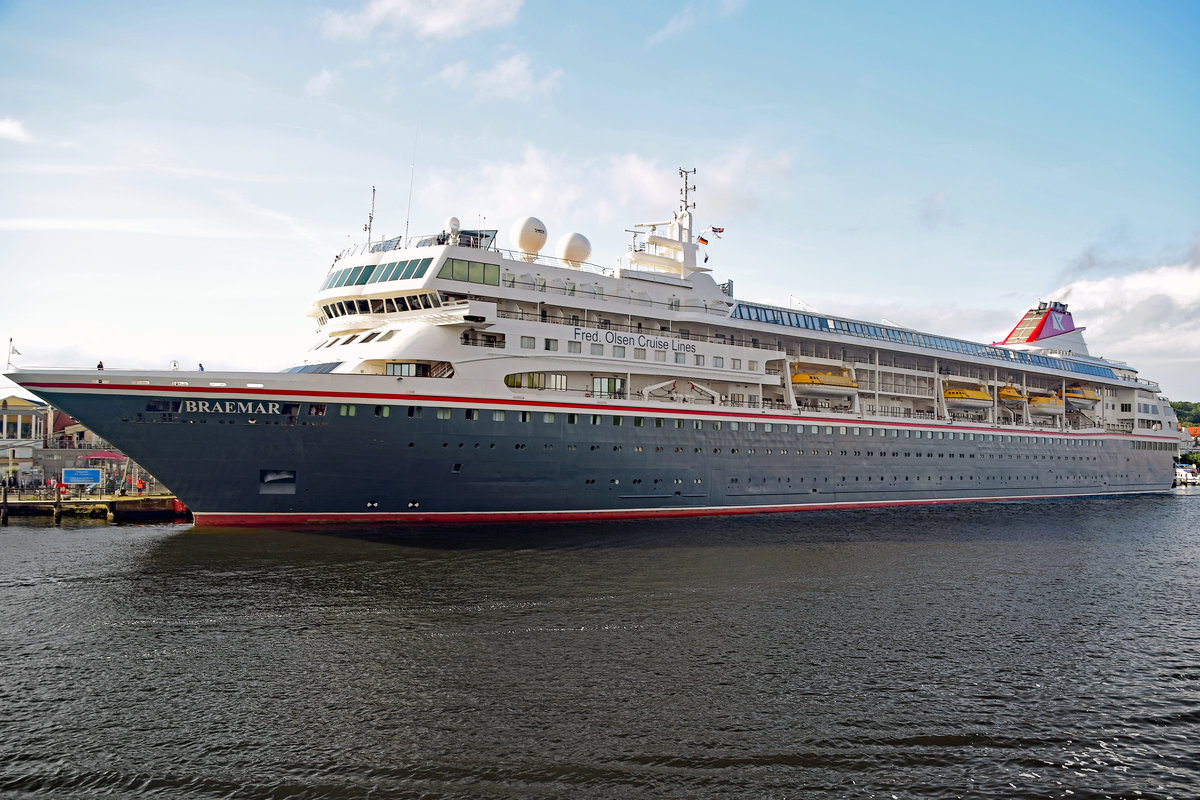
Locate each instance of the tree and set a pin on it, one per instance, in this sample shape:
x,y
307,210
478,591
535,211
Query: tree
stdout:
x,y
1188,413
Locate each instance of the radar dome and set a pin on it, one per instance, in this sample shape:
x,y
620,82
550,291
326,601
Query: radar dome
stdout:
x,y
529,234
452,225
574,247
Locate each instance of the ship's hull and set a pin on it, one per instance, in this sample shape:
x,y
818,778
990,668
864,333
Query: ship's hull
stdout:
x,y
261,456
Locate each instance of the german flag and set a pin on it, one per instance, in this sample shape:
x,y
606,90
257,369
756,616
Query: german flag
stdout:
x,y
702,240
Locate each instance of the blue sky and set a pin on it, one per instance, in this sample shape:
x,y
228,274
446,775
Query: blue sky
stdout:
x,y
175,178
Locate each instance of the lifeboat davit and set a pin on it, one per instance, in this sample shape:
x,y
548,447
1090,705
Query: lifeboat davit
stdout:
x,y
967,398
822,384
1081,397
1046,406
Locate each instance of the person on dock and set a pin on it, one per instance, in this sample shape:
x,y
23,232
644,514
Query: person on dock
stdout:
x,y
99,365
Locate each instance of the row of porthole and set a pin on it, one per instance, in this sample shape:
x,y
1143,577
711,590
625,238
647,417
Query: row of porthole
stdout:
x,y
869,478
751,451
767,427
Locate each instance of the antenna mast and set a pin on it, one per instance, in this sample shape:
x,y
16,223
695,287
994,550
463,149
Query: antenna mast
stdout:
x,y
411,171
683,173
370,217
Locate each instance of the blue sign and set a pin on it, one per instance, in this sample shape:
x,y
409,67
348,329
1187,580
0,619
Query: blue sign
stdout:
x,y
81,476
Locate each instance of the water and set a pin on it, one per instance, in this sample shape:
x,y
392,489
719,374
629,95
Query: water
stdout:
x,y
1024,650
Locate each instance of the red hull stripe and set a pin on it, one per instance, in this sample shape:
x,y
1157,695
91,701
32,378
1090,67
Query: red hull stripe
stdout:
x,y
416,399
203,519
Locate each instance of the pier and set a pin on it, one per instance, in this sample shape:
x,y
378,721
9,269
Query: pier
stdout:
x,y
112,508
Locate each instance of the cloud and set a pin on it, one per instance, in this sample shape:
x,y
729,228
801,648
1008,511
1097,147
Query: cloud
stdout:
x,y
426,19
14,130
690,14
935,212
1146,317
182,228
320,83
510,79
734,183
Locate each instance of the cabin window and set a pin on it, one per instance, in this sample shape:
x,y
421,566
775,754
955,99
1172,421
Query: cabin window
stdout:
x,y
407,369
497,415
528,343
681,358
718,361
459,269
618,351
597,349
574,347
552,345
639,354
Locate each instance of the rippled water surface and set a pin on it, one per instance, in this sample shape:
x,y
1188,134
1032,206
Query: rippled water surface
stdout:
x,y
1023,650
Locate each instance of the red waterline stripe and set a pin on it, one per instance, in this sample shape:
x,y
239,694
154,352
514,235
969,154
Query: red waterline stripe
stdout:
x,y
233,519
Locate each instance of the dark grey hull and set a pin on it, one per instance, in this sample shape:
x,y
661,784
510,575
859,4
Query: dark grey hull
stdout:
x,y
252,463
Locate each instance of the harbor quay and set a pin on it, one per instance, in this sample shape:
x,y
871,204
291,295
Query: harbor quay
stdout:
x,y
112,508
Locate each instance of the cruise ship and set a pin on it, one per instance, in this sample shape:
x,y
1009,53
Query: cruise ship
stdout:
x,y
451,381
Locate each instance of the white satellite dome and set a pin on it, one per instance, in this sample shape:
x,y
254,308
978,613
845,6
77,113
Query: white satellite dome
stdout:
x,y
573,248
529,234
452,225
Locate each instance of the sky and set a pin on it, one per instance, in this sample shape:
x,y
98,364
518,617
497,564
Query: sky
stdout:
x,y
175,178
